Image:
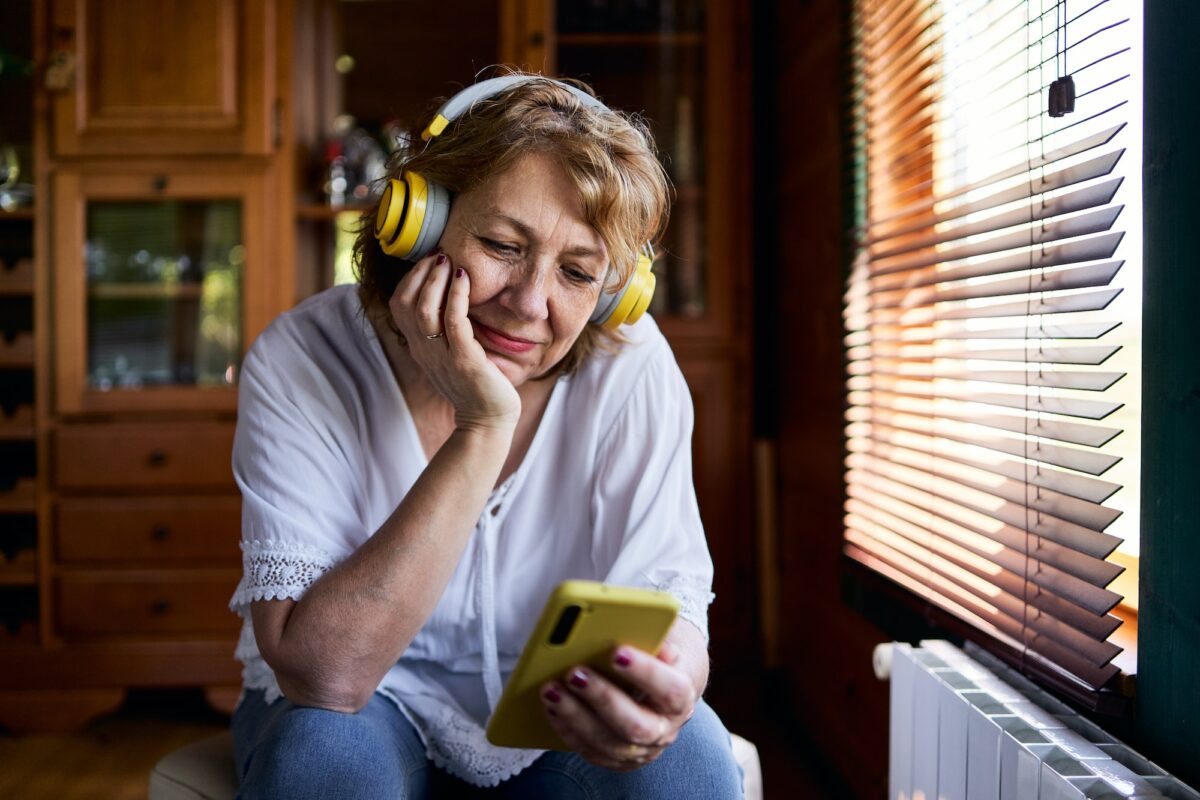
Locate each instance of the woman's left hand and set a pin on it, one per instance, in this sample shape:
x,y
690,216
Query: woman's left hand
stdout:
x,y
607,726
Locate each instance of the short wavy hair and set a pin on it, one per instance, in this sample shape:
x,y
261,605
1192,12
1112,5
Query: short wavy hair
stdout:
x,y
609,157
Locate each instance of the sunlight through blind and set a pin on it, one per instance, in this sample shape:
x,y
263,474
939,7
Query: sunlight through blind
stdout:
x,y
993,312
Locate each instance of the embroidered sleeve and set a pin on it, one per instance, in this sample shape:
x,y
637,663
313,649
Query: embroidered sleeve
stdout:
x,y
276,570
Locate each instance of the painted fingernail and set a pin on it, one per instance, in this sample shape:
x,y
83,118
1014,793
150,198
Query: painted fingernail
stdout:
x,y
458,273
441,259
579,680
622,658
552,695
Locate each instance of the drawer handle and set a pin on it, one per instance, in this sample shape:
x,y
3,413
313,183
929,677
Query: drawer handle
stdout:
x,y
160,533
160,607
157,458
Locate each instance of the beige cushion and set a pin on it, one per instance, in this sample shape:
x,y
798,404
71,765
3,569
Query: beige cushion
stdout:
x,y
204,770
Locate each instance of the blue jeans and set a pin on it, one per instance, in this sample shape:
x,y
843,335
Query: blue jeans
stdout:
x,y
294,752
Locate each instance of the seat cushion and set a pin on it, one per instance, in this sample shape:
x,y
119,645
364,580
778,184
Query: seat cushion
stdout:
x,y
746,755
202,770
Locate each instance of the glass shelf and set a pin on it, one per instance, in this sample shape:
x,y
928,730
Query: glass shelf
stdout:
x,y
163,292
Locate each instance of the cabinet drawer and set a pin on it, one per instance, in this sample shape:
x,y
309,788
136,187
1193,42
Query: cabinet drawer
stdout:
x,y
149,528
133,456
130,603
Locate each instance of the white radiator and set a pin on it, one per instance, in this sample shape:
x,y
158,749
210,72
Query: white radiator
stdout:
x,y
969,728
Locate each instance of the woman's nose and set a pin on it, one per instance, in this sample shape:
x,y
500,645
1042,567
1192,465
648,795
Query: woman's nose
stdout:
x,y
525,294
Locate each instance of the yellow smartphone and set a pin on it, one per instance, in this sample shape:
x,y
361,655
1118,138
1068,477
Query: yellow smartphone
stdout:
x,y
581,624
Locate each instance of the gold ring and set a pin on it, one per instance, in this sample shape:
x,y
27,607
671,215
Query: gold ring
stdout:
x,y
438,335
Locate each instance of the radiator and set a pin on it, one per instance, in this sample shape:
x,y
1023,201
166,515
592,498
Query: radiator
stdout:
x,y
966,727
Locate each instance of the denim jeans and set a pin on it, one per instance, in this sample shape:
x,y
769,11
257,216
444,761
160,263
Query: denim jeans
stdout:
x,y
285,751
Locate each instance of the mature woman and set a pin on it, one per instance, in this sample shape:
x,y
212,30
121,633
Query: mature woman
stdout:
x,y
423,457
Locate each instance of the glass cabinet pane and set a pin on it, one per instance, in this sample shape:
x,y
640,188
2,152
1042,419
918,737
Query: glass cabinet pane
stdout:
x,y
164,297
648,56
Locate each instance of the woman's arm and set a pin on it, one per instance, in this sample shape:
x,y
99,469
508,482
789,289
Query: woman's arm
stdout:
x,y
332,647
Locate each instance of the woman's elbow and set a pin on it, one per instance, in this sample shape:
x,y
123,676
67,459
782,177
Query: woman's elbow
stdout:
x,y
341,696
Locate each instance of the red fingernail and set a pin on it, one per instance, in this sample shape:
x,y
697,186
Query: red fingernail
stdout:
x,y
579,680
622,658
458,273
441,259
552,696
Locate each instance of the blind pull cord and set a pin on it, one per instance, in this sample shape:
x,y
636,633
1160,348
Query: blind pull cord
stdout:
x,y
1062,89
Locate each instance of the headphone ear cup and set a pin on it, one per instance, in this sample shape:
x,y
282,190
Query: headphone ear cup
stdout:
x,y
411,217
437,211
626,306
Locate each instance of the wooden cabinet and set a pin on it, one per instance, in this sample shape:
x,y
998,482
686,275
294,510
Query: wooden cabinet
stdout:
x,y
150,263
189,77
162,277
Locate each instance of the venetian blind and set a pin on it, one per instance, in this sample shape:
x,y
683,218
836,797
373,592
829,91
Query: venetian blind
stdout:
x,y
980,315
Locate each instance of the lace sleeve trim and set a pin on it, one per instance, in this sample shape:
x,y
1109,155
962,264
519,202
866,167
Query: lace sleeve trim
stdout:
x,y
278,570
694,597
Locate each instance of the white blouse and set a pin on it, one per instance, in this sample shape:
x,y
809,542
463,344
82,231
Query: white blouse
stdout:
x,y
326,449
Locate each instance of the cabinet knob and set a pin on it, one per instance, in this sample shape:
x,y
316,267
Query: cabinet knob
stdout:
x,y
537,39
157,458
160,607
160,533
159,183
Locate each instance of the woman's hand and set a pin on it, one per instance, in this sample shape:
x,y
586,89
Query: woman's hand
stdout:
x,y
607,725
429,307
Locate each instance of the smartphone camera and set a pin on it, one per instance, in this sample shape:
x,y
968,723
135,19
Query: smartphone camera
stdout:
x,y
566,621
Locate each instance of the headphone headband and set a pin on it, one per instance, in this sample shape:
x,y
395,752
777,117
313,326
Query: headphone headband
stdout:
x,y
460,103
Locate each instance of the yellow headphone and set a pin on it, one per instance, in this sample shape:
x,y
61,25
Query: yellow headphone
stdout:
x,y
413,211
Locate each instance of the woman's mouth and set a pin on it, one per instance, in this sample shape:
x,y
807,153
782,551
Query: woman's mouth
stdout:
x,y
501,341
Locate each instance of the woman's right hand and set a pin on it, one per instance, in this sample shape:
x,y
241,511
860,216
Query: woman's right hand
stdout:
x,y
429,307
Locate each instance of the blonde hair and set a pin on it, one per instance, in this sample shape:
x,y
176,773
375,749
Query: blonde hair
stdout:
x,y
607,155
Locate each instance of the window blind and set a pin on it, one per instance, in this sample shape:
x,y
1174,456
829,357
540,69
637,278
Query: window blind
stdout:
x,y
982,314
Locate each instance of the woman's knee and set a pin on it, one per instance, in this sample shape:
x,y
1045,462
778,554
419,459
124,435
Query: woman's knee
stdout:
x,y
702,758
312,752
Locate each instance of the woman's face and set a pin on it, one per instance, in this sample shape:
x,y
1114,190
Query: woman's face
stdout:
x,y
536,266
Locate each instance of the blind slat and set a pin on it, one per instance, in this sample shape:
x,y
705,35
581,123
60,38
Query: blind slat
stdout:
x,y
1040,209
1081,578
1094,248
1084,277
1017,490
888,387
1076,537
1035,305
940,591
1004,565
1079,225
1093,168
1073,576
953,402
1081,145
1053,379
1084,461
990,590
1093,490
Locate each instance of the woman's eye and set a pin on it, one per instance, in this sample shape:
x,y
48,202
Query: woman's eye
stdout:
x,y
500,247
579,276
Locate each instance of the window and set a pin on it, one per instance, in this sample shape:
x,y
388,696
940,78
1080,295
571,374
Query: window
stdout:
x,y
993,317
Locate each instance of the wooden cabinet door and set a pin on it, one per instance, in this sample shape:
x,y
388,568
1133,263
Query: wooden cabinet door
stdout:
x,y
155,78
163,275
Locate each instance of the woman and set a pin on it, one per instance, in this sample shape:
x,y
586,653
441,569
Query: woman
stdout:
x,y
423,458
